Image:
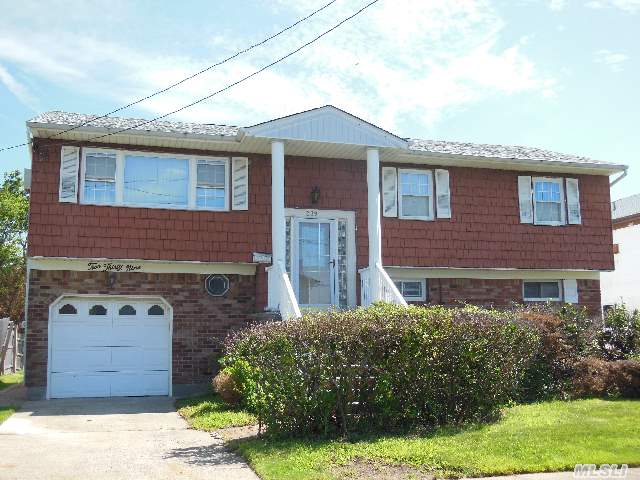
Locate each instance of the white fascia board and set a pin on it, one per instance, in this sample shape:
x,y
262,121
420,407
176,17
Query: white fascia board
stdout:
x,y
509,163
490,273
136,265
35,130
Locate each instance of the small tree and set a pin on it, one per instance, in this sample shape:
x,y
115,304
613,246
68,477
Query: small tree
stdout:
x,y
14,219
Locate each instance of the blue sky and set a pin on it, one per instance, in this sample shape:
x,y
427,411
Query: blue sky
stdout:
x,y
556,74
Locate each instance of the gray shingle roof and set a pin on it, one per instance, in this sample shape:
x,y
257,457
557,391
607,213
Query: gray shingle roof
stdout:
x,y
65,120
625,207
495,151
119,123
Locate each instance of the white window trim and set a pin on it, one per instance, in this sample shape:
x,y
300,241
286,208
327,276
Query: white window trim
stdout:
x,y
423,283
192,181
431,199
544,299
559,181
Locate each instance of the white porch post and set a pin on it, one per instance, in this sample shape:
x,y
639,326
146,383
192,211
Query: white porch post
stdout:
x,y
373,217
278,227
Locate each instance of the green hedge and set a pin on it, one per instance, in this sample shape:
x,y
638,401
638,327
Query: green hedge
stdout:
x,y
381,368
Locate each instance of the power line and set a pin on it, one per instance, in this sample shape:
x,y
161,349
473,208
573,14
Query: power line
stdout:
x,y
204,70
243,79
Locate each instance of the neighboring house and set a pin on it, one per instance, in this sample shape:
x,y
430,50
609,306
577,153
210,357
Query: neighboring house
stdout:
x,y
149,243
623,284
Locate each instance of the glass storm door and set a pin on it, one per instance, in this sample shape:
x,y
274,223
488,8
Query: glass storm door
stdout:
x,y
314,262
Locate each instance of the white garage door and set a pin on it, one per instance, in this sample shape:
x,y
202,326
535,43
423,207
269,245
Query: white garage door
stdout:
x,y
102,347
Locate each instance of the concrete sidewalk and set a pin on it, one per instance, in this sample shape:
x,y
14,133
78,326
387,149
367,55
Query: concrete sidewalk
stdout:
x,y
119,438
632,474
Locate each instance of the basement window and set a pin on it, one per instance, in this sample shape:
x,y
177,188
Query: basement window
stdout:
x,y
412,290
542,291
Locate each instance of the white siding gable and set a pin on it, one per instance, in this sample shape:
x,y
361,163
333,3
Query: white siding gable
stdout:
x,y
327,124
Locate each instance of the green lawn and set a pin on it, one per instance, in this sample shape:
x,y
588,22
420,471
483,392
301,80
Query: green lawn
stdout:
x,y
549,436
10,379
208,412
6,412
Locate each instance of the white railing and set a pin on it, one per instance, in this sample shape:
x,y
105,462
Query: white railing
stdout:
x,y
375,286
281,295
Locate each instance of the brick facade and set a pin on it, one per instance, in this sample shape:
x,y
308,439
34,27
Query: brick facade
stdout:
x,y
200,321
498,293
484,231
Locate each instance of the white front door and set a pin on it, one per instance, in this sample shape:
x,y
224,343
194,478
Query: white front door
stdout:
x,y
314,262
108,347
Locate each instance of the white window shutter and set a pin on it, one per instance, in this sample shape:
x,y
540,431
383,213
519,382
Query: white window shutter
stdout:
x,y
573,202
570,287
443,194
240,183
389,192
69,164
525,199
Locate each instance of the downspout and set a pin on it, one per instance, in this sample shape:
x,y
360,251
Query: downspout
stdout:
x,y
624,174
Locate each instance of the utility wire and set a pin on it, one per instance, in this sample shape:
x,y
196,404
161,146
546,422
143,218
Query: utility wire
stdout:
x,y
204,70
243,79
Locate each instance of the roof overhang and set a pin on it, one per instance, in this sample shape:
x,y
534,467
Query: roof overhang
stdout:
x,y
326,132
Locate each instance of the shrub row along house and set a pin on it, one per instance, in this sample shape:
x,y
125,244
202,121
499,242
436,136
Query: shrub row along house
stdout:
x,y
148,242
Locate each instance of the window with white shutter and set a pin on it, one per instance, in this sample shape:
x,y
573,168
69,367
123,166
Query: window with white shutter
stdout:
x,y
159,180
548,201
415,194
443,195
69,164
573,202
240,183
389,192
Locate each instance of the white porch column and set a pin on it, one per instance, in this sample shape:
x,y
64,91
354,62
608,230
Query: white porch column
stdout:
x,y
278,226
373,211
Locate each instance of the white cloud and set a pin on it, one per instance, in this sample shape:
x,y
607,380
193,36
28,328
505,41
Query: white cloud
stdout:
x,y
20,91
557,5
614,60
400,62
629,6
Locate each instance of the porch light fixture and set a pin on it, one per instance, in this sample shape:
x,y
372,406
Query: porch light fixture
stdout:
x,y
315,195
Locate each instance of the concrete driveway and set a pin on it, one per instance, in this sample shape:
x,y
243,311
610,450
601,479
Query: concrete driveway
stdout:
x,y
120,438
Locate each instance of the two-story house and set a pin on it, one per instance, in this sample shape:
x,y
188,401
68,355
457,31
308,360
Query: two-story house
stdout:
x,y
150,241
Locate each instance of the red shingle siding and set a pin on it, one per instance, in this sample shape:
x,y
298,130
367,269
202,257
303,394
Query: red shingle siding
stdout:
x,y
200,321
484,231
74,230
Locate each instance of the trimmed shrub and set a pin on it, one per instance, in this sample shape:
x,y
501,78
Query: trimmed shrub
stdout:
x,y
620,337
225,386
595,377
567,334
380,368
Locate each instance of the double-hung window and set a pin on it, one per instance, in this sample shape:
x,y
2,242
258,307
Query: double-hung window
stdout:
x,y
114,177
548,201
416,194
542,291
211,181
100,178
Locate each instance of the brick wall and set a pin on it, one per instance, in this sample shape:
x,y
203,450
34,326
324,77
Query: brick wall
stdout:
x,y
200,321
498,293
484,231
